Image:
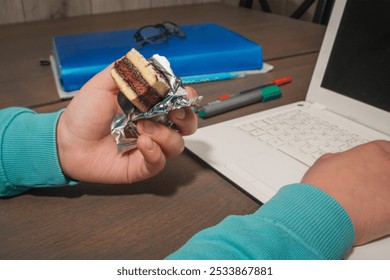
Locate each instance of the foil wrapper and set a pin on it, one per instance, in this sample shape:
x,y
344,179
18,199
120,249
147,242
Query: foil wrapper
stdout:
x,y
124,126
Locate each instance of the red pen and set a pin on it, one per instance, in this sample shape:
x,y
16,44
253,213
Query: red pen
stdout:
x,y
278,82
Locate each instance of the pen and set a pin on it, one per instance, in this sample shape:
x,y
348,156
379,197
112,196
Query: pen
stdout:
x,y
278,82
250,97
211,77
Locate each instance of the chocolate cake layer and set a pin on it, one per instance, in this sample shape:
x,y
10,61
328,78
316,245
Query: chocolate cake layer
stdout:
x,y
138,79
146,94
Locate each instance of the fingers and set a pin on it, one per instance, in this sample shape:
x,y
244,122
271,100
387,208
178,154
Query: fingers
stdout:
x,y
191,92
185,119
158,142
154,157
170,142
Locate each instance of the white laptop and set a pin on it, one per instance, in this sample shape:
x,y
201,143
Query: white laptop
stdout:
x,y
348,103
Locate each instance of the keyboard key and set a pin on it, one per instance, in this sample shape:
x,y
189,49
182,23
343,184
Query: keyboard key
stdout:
x,y
324,136
291,121
268,126
271,120
257,132
265,137
310,121
356,141
316,155
291,130
259,123
308,149
333,130
301,126
344,147
275,142
344,137
247,127
303,135
335,142
275,131
286,137
326,148
297,143
315,142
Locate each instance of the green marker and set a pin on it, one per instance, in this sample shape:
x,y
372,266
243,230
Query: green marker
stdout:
x,y
241,100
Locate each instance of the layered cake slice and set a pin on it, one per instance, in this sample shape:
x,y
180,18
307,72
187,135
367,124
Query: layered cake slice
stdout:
x,y
139,80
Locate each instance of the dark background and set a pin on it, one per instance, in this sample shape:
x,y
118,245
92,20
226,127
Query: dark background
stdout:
x,y
359,66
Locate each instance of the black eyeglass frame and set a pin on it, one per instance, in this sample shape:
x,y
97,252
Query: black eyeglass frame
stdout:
x,y
164,30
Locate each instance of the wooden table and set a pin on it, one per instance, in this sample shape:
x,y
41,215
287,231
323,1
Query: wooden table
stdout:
x,y
150,219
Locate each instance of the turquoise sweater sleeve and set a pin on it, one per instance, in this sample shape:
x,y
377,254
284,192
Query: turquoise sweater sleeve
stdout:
x,y
299,222
28,151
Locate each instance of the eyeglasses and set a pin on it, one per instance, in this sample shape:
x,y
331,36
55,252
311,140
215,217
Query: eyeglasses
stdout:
x,y
158,34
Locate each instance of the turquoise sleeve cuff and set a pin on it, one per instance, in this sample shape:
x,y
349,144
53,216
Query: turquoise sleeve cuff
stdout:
x,y
299,222
312,217
28,151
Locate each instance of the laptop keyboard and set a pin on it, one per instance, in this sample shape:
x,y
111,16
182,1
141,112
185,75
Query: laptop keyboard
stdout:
x,y
301,135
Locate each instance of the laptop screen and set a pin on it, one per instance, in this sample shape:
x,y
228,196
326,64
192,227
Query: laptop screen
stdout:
x,y
359,63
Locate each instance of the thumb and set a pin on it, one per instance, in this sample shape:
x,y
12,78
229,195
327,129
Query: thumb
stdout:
x,y
154,158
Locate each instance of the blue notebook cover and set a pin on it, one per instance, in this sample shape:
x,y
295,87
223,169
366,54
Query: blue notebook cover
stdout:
x,y
208,49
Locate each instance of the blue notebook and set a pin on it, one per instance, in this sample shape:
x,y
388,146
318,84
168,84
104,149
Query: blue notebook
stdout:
x,y
208,49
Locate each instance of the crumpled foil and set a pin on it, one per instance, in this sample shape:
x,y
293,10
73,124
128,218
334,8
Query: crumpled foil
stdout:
x,y
124,126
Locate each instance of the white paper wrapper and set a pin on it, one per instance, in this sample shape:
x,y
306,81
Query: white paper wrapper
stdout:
x,y
124,126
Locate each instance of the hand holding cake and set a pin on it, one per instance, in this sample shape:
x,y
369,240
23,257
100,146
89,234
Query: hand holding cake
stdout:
x,y
148,90
87,150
